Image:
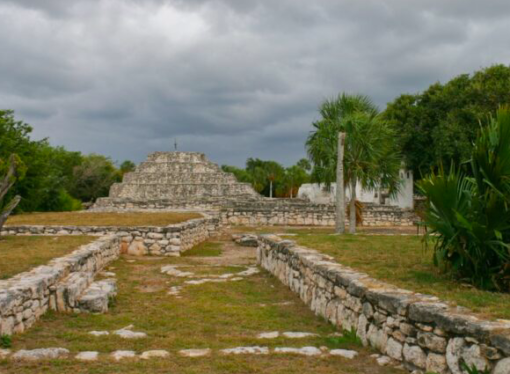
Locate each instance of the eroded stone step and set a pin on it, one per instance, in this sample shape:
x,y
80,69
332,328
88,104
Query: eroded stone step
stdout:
x,y
97,296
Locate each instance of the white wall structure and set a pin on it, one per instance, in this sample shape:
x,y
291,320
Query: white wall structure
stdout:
x,y
318,193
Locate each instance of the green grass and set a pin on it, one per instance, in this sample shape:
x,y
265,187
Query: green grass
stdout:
x,y
213,315
22,253
205,249
101,219
405,262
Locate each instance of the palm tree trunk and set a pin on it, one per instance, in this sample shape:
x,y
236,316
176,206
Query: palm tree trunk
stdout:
x,y
352,208
340,190
270,189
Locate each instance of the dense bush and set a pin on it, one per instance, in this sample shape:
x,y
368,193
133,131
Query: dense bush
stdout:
x,y
468,208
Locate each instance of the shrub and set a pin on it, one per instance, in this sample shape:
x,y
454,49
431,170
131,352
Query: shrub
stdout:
x,y
469,210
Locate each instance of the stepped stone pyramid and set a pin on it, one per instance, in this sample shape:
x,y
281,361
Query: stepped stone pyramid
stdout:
x,y
177,178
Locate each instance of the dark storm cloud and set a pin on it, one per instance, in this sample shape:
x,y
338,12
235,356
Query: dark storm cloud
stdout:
x,y
231,78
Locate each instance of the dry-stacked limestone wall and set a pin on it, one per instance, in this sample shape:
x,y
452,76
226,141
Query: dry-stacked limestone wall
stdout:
x,y
301,212
169,240
418,330
25,297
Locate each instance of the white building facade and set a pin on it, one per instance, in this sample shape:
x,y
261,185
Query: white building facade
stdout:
x,y
317,193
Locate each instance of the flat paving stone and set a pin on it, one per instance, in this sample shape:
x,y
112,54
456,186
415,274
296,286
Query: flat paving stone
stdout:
x,y
87,356
256,350
99,333
268,335
345,353
40,354
121,355
128,334
298,335
158,353
195,352
305,351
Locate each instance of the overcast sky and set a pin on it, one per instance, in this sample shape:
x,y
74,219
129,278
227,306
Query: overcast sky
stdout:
x,y
230,78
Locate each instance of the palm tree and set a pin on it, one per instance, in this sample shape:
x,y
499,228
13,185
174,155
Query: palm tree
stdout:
x,y
371,155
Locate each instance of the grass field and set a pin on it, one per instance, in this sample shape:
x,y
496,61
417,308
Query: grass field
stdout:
x,y
22,253
212,315
101,219
405,262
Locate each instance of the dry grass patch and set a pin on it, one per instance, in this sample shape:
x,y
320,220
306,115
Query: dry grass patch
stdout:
x,y
22,253
405,262
101,219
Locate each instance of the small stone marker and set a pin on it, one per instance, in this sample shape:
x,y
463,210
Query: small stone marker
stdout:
x,y
246,350
40,354
195,352
87,356
154,354
305,351
345,353
120,355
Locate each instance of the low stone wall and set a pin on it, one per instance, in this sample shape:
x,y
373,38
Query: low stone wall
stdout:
x,y
169,240
417,330
299,212
27,296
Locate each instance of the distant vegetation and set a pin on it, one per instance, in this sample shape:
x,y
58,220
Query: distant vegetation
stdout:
x,y
270,178
56,179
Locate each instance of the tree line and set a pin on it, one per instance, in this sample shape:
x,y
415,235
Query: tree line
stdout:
x,y
54,179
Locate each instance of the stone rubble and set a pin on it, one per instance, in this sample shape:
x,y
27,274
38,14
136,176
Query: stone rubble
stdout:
x,y
4,353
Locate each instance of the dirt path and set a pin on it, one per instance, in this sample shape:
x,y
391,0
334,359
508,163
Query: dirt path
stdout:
x,y
219,305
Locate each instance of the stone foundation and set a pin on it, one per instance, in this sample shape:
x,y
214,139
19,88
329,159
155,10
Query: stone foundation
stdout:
x,y
166,241
25,297
420,331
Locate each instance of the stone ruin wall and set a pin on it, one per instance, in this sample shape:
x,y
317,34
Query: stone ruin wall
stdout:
x,y
145,240
61,284
419,331
25,297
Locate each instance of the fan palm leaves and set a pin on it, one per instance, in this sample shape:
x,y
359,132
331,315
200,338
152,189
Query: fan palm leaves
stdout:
x,y
371,155
469,212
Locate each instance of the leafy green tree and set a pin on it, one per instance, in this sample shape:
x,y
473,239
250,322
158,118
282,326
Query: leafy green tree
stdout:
x,y
469,215
127,167
440,124
94,177
371,154
293,178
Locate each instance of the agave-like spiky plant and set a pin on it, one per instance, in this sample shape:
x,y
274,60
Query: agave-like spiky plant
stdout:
x,y
469,211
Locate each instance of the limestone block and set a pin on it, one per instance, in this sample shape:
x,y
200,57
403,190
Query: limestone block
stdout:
x,y
394,349
502,367
436,363
432,342
137,248
415,356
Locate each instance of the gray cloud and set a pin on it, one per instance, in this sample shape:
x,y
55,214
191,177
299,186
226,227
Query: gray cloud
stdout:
x,y
231,78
